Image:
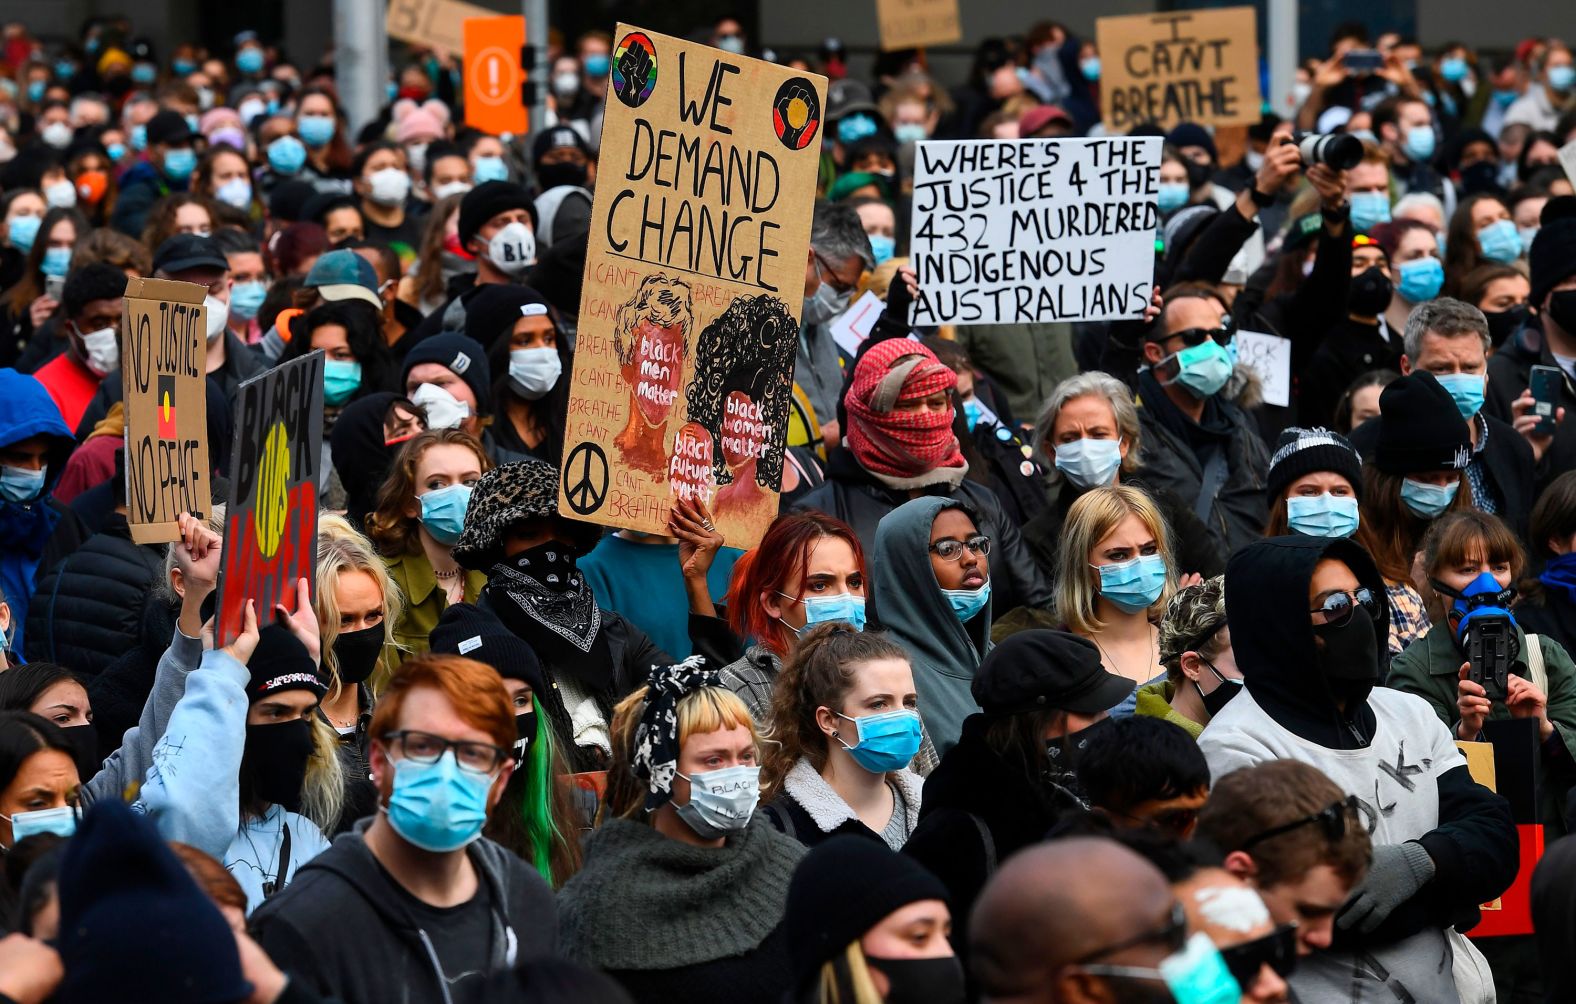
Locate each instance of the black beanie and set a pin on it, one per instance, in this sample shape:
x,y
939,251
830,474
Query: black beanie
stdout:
x,y
467,630
134,926
487,200
1420,428
280,662
1552,258
1303,451
491,311
460,355
839,891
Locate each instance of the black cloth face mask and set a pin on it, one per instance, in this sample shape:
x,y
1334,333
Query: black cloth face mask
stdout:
x,y
1369,294
273,767
1349,657
1217,699
525,726
921,981
356,654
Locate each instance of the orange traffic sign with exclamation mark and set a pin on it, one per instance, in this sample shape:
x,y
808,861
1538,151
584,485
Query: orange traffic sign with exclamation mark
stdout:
x,y
494,101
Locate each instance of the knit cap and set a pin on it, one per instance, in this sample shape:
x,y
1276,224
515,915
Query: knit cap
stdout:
x,y
487,200
279,663
1301,452
461,356
1420,428
467,630
1552,258
840,890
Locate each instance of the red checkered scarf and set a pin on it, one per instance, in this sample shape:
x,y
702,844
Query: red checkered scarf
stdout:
x,y
900,444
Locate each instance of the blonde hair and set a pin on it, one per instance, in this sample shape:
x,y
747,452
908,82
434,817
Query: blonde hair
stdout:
x,y
701,711
846,979
1090,520
341,548
323,791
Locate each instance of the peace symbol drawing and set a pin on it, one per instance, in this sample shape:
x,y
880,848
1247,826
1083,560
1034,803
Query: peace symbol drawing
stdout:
x,y
585,478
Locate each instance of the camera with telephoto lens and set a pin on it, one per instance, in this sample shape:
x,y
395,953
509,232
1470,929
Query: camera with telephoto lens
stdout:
x,y
1339,150
1491,641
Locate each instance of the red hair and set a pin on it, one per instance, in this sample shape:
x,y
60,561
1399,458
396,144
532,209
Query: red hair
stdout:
x,y
779,558
474,688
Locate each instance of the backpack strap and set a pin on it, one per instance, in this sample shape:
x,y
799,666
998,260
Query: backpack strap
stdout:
x,y
988,841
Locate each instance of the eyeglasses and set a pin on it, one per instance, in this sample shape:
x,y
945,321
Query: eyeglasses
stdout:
x,y
1197,336
1338,606
835,281
1331,820
424,747
1173,935
952,550
1278,950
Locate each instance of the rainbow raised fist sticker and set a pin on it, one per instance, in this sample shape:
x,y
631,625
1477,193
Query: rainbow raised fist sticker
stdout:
x,y
796,114
634,69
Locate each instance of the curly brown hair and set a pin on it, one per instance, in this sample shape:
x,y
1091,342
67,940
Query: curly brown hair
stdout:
x,y
390,528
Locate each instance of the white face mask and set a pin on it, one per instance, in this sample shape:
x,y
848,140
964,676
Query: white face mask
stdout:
x,y
512,249
566,84
416,153
449,188
102,348
218,314
60,194
236,192
57,135
533,372
444,410
389,186
250,109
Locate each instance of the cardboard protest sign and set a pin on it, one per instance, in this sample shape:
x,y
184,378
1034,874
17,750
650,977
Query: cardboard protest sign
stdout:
x,y
1182,66
689,316
1270,357
911,24
433,22
164,365
1015,231
1568,160
270,527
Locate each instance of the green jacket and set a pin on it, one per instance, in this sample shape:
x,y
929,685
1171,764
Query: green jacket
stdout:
x,y
1154,701
424,600
1430,668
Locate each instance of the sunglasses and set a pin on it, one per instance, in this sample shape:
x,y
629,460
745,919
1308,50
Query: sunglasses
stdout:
x,y
1171,821
1331,820
1278,950
1197,336
1338,606
1172,935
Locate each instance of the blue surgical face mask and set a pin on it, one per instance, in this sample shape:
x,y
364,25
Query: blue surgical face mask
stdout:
x,y
882,247
909,132
1323,515
116,151
60,820
139,137
1195,975
887,741
18,484
1466,390
1419,143
443,512
315,130
56,261
1203,368
1421,279
855,127
1562,78
1500,242
1425,500
246,298
597,65
439,806
1453,69
1369,209
1135,584
249,60
1172,195
183,67
36,89
839,607
490,169
286,155
341,379
721,801
973,411
1505,98
23,231
180,162
1090,68
967,603
1089,463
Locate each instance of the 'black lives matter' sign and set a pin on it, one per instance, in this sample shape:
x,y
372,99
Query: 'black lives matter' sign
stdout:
x,y
1183,66
1021,231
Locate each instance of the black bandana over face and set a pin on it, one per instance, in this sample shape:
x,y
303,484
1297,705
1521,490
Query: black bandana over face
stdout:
x,y
542,597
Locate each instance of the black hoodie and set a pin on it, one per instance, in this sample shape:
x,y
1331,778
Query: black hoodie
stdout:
x,y
343,928
1472,837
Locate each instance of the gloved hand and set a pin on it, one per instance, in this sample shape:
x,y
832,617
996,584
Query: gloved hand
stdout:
x,y
893,322
1398,871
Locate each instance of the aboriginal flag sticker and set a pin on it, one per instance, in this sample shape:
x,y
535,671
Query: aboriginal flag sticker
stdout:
x,y
166,406
796,113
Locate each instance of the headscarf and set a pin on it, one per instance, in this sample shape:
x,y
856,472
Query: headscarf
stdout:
x,y
903,449
360,453
656,756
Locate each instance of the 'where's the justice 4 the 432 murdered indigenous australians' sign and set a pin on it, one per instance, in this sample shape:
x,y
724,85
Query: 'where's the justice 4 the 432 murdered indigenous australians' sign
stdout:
x,y
1020,231
689,315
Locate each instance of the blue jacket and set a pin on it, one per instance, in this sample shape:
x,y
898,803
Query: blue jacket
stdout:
x,y
141,186
26,410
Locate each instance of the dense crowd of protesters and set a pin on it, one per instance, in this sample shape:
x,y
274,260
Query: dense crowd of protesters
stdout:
x,y
1070,670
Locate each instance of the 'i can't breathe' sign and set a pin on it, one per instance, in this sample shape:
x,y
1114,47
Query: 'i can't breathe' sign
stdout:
x,y
1021,231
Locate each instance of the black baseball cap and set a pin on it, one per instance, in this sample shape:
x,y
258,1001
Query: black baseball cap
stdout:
x,y
184,251
169,127
1038,669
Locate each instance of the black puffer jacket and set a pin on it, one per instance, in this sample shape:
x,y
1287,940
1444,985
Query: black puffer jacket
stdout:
x,y
119,692
859,500
87,610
